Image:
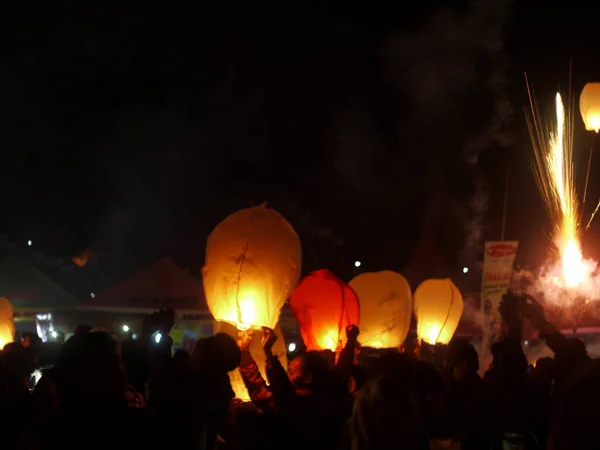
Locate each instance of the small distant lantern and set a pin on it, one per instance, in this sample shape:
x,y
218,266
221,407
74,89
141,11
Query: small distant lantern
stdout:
x,y
7,323
82,259
324,306
253,262
385,308
589,106
438,307
258,355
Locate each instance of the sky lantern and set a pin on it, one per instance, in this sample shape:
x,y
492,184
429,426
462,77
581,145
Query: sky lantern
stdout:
x,y
385,308
83,258
258,354
253,262
438,307
589,106
7,323
324,306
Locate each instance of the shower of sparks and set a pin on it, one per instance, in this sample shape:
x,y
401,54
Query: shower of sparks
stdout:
x,y
555,178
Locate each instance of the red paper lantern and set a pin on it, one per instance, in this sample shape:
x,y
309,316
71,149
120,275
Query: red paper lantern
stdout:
x,y
324,306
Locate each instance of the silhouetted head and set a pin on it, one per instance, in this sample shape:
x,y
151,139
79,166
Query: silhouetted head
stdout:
x,y
572,355
89,371
29,339
509,363
218,354
181,357
307,369
462,361
384,417
82,329
396,365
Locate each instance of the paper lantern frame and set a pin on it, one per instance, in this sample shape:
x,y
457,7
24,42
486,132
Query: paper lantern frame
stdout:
x,y
385,308
437,319
313,303
253,263
589,106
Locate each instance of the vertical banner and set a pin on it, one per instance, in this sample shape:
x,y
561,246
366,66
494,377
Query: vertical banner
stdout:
x,y
498,262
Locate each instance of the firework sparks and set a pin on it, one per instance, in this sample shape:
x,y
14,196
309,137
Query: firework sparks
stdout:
x,y
555,178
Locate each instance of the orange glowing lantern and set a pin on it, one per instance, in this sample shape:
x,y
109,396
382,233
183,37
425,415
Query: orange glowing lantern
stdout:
x,y
438,307
258,355
82,259
324,306
253,262
385,308
589,106
7,323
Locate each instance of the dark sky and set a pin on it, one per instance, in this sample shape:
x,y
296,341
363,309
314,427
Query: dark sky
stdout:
x,y
133,128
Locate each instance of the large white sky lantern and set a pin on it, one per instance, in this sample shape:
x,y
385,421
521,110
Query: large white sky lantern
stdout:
x,y
253,263
385,308
589,106
438,307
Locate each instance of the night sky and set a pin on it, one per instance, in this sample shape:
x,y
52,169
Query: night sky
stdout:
x,y
131,129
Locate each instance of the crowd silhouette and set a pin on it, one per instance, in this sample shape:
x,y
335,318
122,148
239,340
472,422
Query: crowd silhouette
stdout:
x,y
98,393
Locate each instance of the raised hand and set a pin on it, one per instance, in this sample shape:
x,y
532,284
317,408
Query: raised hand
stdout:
x,y
245,338
268,340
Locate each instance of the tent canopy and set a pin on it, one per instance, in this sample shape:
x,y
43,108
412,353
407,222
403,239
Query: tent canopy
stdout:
x,y
27,287
164,284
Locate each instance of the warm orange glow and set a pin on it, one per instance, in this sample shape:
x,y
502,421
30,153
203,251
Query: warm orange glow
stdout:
x,y
253,262
324,306
7,324
385,308
438,308
328,340
279,350
589,106
82,259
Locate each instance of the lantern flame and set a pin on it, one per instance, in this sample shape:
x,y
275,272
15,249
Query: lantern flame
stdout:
x,y
555,179
247,310
595,122
330,341
432,334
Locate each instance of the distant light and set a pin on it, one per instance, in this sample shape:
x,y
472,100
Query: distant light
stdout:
x,y
158,337
134,336
92,295
291,347
465,269
54,334
357,264
36,375
526,342
29,243
125,328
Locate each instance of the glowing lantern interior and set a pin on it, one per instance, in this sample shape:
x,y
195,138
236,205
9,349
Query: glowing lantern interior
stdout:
x,y
253,262
324,306
7,324
589,106
385,308
438,307
279,349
